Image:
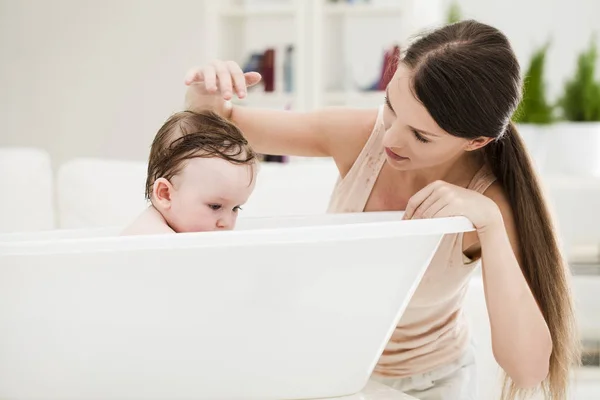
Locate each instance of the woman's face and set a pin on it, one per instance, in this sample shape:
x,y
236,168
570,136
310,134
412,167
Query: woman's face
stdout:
x,y
413,140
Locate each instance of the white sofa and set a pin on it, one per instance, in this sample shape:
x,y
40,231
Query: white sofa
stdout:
x,y
89,192
26,203
101,193
97,193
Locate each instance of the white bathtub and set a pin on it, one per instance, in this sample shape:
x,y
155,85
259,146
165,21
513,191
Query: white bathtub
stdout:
x,y
279,309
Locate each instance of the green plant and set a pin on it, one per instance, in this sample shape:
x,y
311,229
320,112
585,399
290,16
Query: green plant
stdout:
x,y
581,99
454,13
534,107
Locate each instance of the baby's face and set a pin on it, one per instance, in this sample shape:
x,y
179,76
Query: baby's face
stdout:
x,y
208,193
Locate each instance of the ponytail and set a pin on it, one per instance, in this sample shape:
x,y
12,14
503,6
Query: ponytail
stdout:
x,y
541,263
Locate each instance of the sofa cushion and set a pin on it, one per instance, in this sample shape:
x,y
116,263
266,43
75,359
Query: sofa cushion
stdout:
x,y
26,203
101,192
296,188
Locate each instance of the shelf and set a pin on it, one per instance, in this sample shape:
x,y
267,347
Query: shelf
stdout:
x,y
258,11
244,26
363,10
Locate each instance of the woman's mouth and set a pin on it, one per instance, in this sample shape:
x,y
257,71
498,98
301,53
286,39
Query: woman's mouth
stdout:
x,y
394,156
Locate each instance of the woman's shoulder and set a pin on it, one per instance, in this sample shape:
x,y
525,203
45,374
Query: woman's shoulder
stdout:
x,y
347,131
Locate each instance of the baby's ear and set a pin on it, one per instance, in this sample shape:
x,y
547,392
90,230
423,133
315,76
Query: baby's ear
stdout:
x,y
162,191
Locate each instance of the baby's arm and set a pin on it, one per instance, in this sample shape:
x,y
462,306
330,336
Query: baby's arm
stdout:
x,y
150,222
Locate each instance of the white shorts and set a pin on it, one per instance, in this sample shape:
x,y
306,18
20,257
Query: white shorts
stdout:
x,y
454,381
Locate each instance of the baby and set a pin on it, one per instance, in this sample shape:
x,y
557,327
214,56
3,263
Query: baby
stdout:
x,y
201,170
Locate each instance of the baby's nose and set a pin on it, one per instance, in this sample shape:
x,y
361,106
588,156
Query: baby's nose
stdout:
x,y
226,222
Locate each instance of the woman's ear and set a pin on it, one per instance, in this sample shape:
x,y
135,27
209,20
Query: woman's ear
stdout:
x,y
162,190
478,143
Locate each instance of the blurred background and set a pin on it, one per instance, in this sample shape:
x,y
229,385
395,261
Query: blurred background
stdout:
x,y
97,78
84,86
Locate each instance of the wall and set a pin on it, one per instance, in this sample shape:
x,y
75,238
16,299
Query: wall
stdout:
x,y
94,78
97,78
569,24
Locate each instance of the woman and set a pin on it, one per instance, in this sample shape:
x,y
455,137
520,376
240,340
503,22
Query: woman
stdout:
x,y
443,144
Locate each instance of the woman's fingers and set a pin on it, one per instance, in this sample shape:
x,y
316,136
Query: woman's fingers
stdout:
x,y
194,75
242,81
224,79
418,198
210,79
239,80
424,206
252,78
434,209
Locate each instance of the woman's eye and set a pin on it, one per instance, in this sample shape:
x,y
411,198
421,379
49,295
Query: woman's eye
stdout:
x,y
420,137
387,103
215,207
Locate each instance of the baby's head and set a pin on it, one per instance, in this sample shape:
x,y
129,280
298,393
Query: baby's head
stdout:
x,y
200,171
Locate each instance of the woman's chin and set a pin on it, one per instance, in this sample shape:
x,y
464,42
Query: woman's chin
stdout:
x,y
401,165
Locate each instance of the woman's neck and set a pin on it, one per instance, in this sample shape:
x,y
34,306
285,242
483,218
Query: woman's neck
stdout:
x,y
458,172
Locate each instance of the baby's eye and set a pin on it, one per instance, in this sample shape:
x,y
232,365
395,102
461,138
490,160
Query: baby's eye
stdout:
x,y
237,208
215,207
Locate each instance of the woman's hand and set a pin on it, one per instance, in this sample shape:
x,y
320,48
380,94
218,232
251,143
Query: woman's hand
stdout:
x,y
441,199
212,86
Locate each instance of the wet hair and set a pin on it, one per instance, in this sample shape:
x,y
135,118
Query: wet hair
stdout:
x,y
468,78
188,134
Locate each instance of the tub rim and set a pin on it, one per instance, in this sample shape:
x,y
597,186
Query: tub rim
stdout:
x,y
241,238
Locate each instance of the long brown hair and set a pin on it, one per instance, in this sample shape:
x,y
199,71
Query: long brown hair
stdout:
x,y
468,77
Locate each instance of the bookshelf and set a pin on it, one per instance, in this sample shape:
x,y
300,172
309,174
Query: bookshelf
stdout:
x,y
338,46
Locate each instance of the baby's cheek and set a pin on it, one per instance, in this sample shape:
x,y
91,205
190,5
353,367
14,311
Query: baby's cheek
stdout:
x,y
193,218
201,219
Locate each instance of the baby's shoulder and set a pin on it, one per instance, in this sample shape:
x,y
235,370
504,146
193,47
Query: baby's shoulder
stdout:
x,y
147,223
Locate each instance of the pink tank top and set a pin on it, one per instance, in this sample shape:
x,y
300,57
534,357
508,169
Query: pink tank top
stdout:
x,y
432,331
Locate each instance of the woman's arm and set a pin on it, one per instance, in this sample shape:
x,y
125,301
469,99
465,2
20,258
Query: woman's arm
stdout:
x,y
521,341
334,132
330,132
